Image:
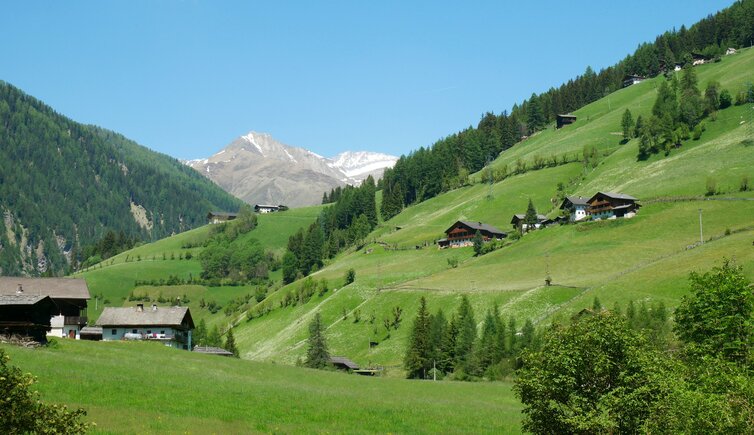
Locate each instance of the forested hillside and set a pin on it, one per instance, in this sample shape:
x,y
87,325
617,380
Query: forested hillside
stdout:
x,y
64,185
446,164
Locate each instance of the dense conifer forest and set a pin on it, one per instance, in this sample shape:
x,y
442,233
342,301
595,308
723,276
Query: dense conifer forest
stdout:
x,y
64,186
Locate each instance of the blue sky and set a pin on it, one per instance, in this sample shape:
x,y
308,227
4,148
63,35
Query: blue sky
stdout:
x,y
187,77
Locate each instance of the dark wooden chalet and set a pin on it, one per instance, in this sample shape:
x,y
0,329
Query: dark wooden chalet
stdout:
x,y
518,222
218,217
26,315
343,363
462,234
632,79
608,205
69,296
563,120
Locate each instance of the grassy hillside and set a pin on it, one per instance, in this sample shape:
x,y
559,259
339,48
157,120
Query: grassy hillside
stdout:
x,y
646,258
113,280
147,388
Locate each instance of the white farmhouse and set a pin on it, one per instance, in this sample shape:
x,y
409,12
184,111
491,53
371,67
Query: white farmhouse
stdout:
x,y
576,206
169,325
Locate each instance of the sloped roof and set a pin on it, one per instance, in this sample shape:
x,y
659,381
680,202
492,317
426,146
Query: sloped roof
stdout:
x,y
56,288
575,200
341,360
519,217
212,350
477,226
566,115
221,214
613,195
131,316
21,299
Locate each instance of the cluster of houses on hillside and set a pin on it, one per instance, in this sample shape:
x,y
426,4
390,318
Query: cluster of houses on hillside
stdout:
x,y
56,307
602,205
218,217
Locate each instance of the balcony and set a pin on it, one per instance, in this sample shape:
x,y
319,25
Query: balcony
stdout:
x,y
75,320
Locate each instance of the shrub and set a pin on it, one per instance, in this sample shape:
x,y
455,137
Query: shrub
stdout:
x,y
453,262
350,276
21,411
711,187
745,184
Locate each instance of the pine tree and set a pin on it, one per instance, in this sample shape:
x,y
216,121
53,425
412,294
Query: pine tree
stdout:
x,y
478,243
317,356
535,116
214,339
417,360
531,216
200,333
230,343
467,336
487,349
627,124
446,362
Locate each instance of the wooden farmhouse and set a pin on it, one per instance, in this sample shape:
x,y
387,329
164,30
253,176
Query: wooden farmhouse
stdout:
x,y
266,208
563,120
518,222
699,59
609,205
576,207
171,326
462,234
26,315
632,79
68,295
218,217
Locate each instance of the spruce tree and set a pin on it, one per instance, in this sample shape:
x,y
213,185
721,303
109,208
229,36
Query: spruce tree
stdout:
x,y
200,334
478,243
446,362
467,336
417,360
487,349
230,343
214,339
317,356
627,123
531,216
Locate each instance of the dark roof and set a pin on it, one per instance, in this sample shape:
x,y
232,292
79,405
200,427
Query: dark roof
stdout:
x,y
477,226
56,288
212,350
567,115
21,299
221,214
575,200
343,361
620,207
91,330
149,316
519,217
613,195
266,206
633,76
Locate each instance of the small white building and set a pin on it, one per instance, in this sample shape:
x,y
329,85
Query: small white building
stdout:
x,y
171,326
730,51
576,206
266,208
518,222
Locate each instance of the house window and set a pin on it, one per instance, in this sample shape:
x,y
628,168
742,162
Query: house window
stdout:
x,y
134,331
149,331
162,332
114,331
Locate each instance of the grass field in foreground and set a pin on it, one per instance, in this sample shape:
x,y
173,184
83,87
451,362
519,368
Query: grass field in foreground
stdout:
x,y
141,388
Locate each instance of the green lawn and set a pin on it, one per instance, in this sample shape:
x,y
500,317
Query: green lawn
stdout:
x,y
142,388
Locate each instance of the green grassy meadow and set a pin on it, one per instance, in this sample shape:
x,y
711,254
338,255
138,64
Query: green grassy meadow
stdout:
x,y
129,387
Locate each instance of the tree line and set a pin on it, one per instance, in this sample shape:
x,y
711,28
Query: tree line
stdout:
x,y
347,222
426,172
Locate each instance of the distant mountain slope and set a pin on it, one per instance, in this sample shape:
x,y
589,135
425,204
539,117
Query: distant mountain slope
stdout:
x,y
64,184
259,169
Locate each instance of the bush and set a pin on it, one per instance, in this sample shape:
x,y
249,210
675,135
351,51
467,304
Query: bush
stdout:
x,y
745,184
725,99
21,411
350,276
711,187
453,262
